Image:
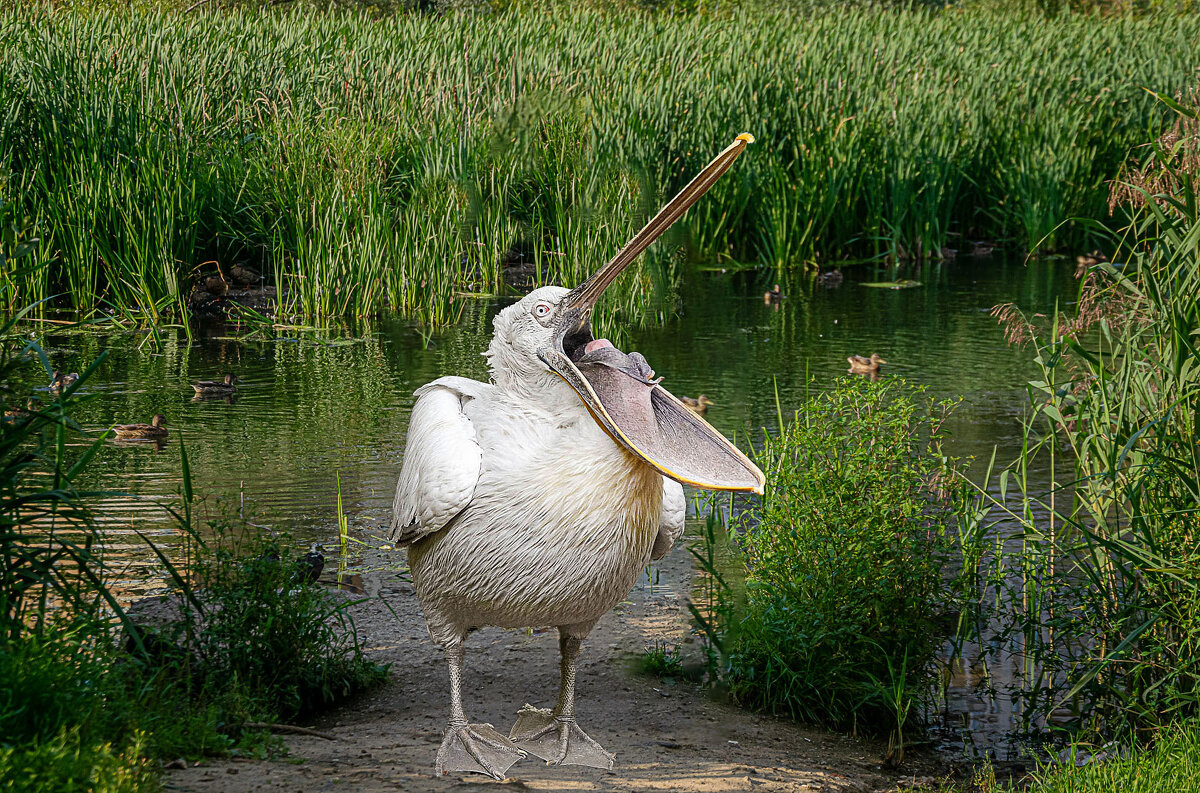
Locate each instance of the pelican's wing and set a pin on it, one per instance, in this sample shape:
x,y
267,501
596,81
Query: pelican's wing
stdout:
x,y
441,461
670,524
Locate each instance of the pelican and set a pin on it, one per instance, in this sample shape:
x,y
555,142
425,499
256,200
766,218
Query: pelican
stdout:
x,y
538,498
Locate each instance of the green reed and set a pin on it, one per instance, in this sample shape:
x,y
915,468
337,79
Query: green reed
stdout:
x,y
1101,584
364,164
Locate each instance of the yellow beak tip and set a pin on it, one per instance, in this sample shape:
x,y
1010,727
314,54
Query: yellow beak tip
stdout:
x,y
746,136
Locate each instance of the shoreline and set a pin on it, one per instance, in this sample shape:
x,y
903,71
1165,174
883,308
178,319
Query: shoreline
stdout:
x,y
666,737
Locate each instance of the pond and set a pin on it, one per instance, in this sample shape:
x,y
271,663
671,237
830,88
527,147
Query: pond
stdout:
x,y
316,408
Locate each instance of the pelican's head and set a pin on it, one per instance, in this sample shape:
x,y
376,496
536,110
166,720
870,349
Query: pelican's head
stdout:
x,y
548,335
522,331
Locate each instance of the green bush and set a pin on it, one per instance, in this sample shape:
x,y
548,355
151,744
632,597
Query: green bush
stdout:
x,y
66,764
284,644
48,683
845,583
260,646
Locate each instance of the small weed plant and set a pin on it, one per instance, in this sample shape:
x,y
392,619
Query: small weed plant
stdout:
x,y
661,660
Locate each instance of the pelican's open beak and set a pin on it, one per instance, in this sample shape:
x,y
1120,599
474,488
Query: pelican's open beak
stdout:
x,y
620,390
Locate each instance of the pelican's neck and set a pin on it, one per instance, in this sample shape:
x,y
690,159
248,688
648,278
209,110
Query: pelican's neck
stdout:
x,y
529,381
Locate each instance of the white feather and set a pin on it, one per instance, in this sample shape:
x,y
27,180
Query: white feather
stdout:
x,y
670,524
441,460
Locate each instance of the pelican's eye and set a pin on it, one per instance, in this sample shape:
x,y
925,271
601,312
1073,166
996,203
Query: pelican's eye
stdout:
x,y
541,311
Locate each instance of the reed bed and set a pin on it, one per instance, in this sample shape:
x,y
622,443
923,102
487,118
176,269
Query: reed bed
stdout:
x,y
1100,587
363,164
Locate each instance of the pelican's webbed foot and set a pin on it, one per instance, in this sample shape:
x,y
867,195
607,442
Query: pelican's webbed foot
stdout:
x,y
557,740
478,748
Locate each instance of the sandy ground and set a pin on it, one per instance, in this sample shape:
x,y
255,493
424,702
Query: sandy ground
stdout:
x,y
666,737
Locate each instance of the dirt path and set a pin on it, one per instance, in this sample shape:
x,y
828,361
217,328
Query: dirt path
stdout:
x,y
665,737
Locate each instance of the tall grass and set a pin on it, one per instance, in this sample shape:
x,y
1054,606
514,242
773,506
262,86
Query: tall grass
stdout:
x,y
365,163
1172,764
1101,586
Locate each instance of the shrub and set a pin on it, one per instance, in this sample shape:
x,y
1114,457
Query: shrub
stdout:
x,y
845,561
287,643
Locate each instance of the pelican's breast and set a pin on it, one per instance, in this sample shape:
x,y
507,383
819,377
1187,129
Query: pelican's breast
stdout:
x,y
561,524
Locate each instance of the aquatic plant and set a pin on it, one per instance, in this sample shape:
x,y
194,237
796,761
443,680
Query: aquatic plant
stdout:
x,y
359,164
1098,586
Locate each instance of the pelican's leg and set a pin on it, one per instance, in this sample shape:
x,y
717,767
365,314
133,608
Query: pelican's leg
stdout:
x,y
553,735
471,747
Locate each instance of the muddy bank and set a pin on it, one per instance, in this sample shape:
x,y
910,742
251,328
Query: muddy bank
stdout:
x,y
666,737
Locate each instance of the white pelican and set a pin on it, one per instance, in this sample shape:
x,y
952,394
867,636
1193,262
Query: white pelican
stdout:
x,y
538,498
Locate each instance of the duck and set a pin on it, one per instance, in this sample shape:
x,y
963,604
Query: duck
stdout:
x,y
310,565
216,387
831,277
774,295
699,405
1087,261
861,365
153,430
243,275
60,382
216,285
31,407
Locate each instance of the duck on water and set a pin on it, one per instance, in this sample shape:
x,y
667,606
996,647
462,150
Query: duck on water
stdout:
x,y
155,430
224,387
